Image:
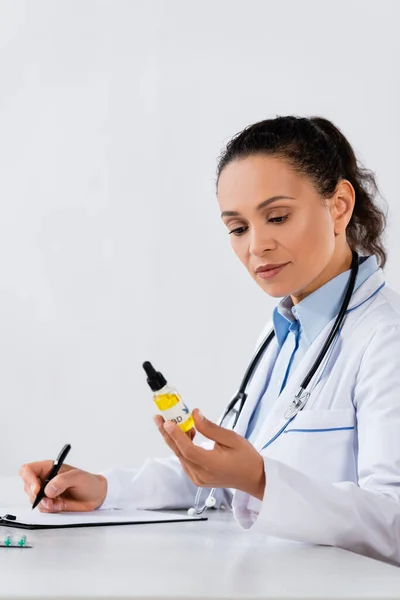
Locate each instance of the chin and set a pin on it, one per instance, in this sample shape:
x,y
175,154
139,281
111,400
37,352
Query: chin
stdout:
x,y
275,290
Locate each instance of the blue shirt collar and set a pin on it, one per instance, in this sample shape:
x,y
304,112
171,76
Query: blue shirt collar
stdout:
x,y
315,311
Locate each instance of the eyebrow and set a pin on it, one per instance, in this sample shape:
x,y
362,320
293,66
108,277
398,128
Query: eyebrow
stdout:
x,y
234,213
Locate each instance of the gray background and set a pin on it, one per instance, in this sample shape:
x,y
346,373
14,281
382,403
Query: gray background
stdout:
x,y
112,116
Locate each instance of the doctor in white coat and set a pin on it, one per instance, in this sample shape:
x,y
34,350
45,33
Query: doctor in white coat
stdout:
x,y
296,203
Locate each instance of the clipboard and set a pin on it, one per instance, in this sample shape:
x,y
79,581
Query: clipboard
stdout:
x,y
27,519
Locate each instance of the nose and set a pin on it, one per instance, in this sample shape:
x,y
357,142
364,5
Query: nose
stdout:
x,y
260,241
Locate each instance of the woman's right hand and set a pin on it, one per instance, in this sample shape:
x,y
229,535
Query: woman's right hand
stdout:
x,y
71,490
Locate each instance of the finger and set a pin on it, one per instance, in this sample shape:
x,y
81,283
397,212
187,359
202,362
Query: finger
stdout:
x,y
31,494
60,504
29,488
198,475
191,433
30,479
187,466
214,432
159,421
51,506
37,471
191,471
186,448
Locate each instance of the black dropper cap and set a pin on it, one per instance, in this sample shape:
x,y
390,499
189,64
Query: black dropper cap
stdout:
x,y
155,379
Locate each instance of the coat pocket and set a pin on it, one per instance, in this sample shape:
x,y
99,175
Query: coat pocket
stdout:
x,y
320,443
319,421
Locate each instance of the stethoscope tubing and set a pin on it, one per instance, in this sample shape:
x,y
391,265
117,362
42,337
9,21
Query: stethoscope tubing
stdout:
x,y
302,395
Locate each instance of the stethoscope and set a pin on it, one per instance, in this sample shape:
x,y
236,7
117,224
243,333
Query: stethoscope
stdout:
x,y
235,407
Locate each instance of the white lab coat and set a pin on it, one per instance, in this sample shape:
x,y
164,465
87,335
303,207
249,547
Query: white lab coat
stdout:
x,y
333,476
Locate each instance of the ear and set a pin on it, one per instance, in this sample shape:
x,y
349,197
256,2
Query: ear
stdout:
x,y
342,205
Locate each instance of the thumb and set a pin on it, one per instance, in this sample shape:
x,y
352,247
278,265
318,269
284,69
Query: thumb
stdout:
x,y
212,431
60,483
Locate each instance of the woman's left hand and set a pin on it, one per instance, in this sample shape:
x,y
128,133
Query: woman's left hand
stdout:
x,y
232,463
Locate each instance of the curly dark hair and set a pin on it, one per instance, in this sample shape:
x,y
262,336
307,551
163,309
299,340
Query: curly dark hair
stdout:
x,y
316,148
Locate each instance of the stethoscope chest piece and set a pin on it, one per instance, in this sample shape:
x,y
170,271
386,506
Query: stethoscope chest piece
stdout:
x,y
298,403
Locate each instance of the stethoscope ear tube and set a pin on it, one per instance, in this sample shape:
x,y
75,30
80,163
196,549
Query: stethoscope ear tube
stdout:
x,y
253,366
302,396
241,395
337,324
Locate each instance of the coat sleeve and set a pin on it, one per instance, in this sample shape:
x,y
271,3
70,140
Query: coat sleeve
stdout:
x,y
160,483
362,517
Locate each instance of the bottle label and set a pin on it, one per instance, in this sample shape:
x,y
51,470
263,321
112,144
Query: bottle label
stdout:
x,y
178,413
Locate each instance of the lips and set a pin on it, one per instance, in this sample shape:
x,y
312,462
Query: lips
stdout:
x,y
270,267
270,271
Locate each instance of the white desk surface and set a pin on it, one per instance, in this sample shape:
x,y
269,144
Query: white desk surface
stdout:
x,y
206,560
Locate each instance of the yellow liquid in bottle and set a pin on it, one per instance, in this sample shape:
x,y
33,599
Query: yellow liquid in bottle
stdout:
x,y
165,401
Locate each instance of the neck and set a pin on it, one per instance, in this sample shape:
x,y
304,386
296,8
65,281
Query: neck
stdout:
x,y
339,264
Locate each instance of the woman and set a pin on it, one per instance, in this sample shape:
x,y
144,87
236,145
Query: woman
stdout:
x,y
296,204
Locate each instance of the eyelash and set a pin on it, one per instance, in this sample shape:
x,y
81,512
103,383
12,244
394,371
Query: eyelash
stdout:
x,y
241,230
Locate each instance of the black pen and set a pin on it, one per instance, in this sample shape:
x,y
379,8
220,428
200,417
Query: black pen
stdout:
x,y
52,473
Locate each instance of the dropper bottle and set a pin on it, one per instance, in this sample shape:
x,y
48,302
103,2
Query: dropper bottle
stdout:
x,y
167,399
